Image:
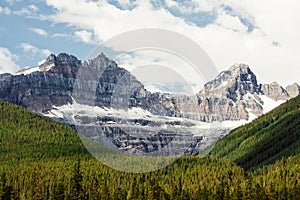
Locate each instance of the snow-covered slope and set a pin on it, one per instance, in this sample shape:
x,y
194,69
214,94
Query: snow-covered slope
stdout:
x,y
269,104
27,71
108,126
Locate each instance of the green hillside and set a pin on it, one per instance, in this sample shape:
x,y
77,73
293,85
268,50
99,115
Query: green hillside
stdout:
x,y
42,159
30,137
271,137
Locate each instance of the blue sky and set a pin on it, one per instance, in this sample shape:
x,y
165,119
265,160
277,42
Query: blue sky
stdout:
x,y
230,31
31,39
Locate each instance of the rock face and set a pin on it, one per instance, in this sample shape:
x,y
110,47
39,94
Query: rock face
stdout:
x,y
229,95
293,90
63,80
275,91
49,84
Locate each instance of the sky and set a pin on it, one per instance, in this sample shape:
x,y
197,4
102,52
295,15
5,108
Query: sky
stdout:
x,y
263,34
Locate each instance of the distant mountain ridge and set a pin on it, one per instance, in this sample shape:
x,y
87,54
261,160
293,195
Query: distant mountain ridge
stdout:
x,y
228,97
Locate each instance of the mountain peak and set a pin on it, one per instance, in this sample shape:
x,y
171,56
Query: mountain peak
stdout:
x,y
274,83
100,62
293,90
275,91
240,67
243,72
239,78
66,59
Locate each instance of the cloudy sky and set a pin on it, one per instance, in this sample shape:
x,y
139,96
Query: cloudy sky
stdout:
x,y
264,34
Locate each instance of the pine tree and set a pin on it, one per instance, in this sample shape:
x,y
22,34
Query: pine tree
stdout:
x,y
5,190
76,182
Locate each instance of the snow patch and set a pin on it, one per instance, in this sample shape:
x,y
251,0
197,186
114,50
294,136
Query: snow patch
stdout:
x,y
269,104
27,71
251,115
70,111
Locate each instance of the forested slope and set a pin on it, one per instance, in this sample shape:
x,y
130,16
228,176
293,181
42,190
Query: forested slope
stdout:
x,y
271,137
42,159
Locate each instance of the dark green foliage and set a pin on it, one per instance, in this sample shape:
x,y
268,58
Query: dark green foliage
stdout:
x,y
76,181
269,138
42,159
5,189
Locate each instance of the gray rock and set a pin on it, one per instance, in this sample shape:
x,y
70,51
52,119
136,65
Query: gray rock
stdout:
x,y
275,91
293,90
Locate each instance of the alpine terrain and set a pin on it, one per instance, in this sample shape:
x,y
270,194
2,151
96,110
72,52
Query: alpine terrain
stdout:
x,y
110,106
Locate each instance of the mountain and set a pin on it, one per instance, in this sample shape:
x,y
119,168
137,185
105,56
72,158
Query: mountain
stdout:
x,y
62,78
110,106
269,138
80,95
236,94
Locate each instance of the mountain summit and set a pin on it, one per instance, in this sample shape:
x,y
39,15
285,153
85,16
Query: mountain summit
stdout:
x,y
236,94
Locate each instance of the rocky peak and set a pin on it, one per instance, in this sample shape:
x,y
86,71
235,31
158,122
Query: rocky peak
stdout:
x,y
66,59
61,60
100,62
242,73
233,83
245,80
293,90
275,91
239,68
63,63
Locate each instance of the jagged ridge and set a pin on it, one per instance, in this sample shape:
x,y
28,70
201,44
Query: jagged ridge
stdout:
x,y
96,81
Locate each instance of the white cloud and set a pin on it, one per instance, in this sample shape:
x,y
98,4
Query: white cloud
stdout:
x,y
33,8
39,31
22,11
29,11
7,61
84,36
33,50
140,61
226,40
230,22
60,35
5,10
106,20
